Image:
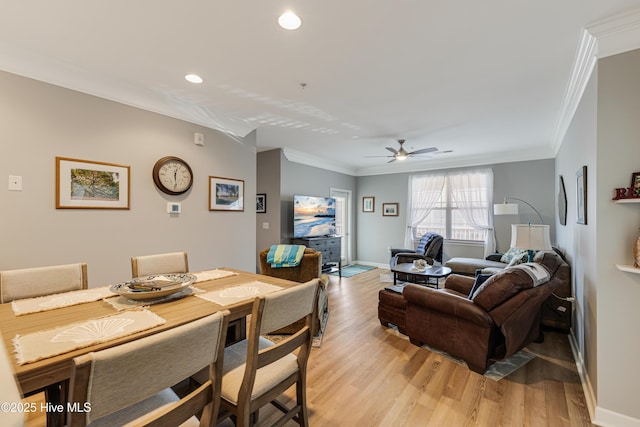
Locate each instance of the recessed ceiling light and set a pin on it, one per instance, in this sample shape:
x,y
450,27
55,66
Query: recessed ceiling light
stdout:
x,y
289,21
193,78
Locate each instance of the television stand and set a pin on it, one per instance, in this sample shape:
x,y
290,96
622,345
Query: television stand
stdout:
x,y
329,246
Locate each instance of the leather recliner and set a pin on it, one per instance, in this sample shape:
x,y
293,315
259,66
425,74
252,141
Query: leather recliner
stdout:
x,y
429,249
496,323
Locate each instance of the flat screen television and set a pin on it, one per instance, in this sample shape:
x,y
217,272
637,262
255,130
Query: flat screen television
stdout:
x,y
313,216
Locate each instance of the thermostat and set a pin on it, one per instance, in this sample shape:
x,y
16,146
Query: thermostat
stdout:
x,y
173,208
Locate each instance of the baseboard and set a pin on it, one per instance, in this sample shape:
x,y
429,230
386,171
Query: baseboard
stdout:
x,y
372,264
607,418
599,416
589,395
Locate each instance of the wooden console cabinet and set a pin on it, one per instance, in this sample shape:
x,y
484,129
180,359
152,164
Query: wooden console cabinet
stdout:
x,y
330,248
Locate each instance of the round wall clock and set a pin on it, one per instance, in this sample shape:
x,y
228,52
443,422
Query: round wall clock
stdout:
x,y
172,175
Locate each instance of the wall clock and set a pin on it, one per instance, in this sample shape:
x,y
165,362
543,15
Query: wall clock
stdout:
x,y
172,175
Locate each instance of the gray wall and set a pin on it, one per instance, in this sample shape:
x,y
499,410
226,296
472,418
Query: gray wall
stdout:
x,y
604,136
579,149
311,181
531,181
41,121
268,182
616,229
282,179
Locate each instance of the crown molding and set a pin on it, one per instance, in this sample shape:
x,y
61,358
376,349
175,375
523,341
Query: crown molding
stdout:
x,y
583,65
618,34
310,160
611,36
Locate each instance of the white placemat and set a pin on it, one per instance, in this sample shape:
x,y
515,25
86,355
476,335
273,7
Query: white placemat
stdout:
x,y
48,343
241,292
51,302
213,274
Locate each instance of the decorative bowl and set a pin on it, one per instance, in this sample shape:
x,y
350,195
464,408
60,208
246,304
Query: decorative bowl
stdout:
x,y
156,286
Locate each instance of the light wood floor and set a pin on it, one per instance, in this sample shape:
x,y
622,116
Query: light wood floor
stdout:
x,y
367,375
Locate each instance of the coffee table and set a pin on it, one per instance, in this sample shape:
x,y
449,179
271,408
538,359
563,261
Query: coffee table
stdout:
x,y
429,273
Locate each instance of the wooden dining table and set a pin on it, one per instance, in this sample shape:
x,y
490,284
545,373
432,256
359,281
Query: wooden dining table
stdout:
x,y
52,370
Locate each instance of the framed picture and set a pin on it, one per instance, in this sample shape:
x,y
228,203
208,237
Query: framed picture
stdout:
x,y
581,194
85,184
261,203
226,194
389,209
635,183
368,204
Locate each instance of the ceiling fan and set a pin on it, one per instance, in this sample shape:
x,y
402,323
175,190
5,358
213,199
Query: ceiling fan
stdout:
x,y
402,154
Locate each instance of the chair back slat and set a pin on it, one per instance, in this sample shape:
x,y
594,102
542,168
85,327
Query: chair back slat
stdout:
x,y
39,281
146,265
121,376
287,306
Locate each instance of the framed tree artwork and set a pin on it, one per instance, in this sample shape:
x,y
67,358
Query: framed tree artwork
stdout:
x,y
86,184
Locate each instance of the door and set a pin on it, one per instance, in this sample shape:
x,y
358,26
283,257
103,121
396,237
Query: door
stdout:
x,y
343,221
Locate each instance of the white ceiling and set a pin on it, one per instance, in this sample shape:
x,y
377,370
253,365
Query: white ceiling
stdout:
x,y
485,79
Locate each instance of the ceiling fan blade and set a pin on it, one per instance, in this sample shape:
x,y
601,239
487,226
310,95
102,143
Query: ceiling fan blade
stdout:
x,y
393,150
392,160
424,150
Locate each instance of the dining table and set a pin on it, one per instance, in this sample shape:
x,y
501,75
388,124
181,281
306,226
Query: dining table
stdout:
x,y
56,369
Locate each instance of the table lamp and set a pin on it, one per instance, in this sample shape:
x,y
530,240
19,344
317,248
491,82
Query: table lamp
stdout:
x,y
530,237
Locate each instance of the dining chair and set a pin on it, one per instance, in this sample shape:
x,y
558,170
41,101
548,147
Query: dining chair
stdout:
x,y
256,371
9,393
146,265
39,281
131,383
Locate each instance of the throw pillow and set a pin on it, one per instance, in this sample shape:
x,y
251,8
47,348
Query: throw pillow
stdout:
x,y
519,258
508,256
480,279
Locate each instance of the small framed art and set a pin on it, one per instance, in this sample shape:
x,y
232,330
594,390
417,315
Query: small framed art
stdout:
x,y
635,183
389,209
226,194
261,203
85,184
368,204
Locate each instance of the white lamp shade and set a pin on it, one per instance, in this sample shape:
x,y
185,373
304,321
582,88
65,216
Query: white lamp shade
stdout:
x,y
505,209
530,237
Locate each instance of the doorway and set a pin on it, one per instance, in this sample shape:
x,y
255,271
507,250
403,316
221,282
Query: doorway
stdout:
x,y
343,221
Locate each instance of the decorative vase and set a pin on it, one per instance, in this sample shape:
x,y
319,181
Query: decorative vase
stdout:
x,y
636,253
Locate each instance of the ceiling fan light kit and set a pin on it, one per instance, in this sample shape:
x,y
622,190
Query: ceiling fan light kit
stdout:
x,y
402,154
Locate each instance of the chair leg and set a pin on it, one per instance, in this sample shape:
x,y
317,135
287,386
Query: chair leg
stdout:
x,y
301,395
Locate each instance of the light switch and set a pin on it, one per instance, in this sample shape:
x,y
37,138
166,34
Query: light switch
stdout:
x,y
265,225
15,183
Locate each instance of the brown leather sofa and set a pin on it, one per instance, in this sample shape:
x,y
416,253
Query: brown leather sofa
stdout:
x,y
493,325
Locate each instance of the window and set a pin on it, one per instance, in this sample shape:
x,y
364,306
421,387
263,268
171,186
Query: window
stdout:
x,y
455,205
